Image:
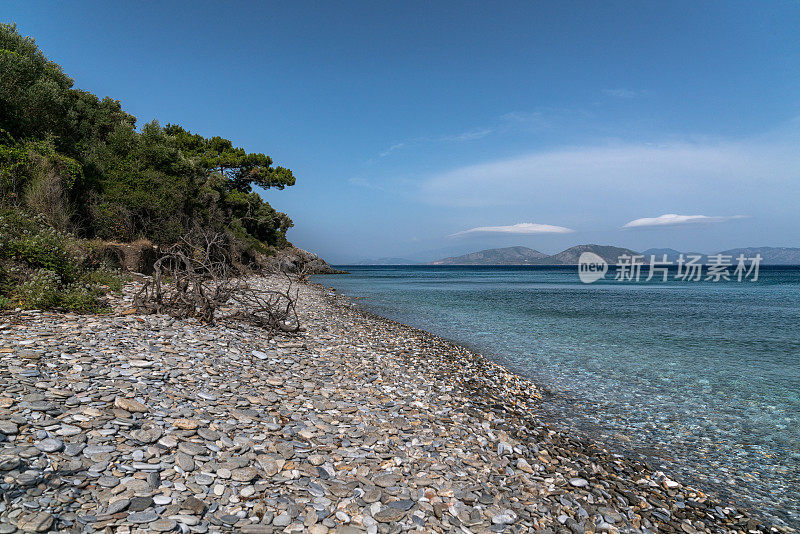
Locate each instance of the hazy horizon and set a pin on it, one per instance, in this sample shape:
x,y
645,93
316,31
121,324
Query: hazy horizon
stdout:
x,y
436,254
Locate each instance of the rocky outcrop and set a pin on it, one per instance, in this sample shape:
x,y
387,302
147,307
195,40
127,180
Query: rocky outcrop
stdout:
x,y
139,257
299,261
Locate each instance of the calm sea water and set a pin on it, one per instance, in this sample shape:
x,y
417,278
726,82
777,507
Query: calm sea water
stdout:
x,y
701,379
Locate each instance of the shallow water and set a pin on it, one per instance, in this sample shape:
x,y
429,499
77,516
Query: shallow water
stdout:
x,y
702,379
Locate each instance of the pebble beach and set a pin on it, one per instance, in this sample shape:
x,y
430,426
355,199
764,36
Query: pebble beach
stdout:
x,y
143,423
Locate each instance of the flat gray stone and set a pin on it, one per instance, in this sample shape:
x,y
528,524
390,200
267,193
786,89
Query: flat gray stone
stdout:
x,y
192,449
282,520
386,480
118,506
148,516
49,445
245,474
389,515
147,434
137,504
8,428
204,480
163,525
184,461
39,522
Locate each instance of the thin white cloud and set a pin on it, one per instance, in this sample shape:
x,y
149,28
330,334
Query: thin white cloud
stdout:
x,y
468,135
396,146
705,175
620,93
516,229
523,116
360,181
505,122
475,133
673,219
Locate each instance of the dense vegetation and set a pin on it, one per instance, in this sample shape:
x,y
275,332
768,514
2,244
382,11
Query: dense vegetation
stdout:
x,y
75,169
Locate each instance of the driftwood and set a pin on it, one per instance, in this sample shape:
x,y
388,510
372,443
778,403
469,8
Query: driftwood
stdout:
x,y
196,279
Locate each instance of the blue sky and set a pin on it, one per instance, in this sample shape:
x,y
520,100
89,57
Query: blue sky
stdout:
x,y
408,124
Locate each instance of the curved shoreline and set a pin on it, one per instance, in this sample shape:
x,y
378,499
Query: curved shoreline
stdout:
x,y
361,424
585,443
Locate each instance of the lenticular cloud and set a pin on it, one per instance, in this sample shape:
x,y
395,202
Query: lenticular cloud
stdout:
x,y
517,229
673,219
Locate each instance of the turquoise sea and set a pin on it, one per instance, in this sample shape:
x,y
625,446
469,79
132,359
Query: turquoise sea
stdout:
x,y
701,379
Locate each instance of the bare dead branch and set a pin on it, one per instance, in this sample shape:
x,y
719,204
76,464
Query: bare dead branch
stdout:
x,y
196,279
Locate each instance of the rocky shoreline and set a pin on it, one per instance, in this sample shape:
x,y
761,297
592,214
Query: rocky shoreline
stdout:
x,y
132,423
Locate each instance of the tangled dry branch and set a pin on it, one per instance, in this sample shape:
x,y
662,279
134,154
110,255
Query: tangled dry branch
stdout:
x,y
195,279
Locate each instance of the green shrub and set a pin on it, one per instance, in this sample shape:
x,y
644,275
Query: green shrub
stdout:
x,y
46,269
45,290
83,297
42,290
104,276
45,249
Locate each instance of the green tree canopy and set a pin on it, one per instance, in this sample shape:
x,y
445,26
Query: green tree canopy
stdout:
x,y
81,163
242,169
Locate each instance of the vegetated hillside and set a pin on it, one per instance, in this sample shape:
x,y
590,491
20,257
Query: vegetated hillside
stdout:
x,y
385,261
73,164
495,256
769,255
659,253
528,256
673,255
571,255
80,162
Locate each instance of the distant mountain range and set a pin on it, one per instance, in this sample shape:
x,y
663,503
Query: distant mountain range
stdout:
x,y
670,253
496,256
571,255
769,255
385,261
529,256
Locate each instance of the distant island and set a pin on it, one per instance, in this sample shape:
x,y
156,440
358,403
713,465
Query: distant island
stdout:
x,y
570,256
496,256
